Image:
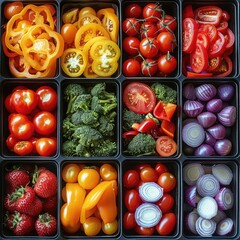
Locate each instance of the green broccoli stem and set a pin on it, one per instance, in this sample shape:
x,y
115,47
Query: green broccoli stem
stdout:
x,y
70,103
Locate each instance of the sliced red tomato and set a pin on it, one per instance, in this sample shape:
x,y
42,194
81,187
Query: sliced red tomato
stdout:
x,y
214,63
188,12
190,30
198,75
203,39
230,39
222,27
164,111
130,134
225,69
168,128
139,98
208,15
225,15
210,31
218,47
166,146
199,59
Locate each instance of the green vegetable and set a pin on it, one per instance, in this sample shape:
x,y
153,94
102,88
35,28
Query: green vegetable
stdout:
x,y
103,106
107,124
82,102
105,148
129,118
164,93
99,90
69,148
89,117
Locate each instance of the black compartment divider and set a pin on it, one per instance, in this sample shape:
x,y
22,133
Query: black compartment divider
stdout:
x,y
116,83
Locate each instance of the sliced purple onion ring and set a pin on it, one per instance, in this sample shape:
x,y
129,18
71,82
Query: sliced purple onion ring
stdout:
x,y
191,173
224,198
222,173
150,192
205,227
219,217
225,227
191,219
190,195
207,207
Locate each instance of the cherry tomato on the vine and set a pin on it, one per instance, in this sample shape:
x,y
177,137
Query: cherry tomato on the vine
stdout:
x,y
167,63
131,45
131,26
152,12
131,67
133,10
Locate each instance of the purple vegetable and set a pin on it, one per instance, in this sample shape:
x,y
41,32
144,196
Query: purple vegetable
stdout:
x,y
222,173
189,91
206,119
209,139
192,108
218,131
193,134
148,215
219,217
225,227
215,105
205,92
207,207
191,219
224,199
223,147
205,227
150,192
188,120
190,195
204,150
191,173
227,116
207,185
226,91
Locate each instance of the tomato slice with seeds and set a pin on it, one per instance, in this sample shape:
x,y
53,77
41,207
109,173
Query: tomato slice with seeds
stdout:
x,y
230,39
218,47
223,27
139,98
188,11
214,63
203,39
210,31
166,146
225,68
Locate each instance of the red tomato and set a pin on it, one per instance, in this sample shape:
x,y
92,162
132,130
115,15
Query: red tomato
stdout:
x,y
8,104
44,123
208,15
130,179
190,30
47,98
210,31
46,146
148,29
218,47
230,39
188,12
131,68
149,67
166,202
133,11
132,200
139,98
131,26
167,181
225,15
24,101
167,42
166,146
11,141
223,27
33,140
23,148
167,63
144,231
199,59
214,63
131,45
167,24
161,168
12,9
225,67
152,12
149,47
202,39
129,221
149,174
166,224
198,75
20,127
140,166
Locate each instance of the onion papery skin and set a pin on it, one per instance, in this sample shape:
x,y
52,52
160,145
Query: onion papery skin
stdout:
x,y
205,92
206,119
205,227
204,150
226,92
218,131
223,147
209,139
189,91
191,173
227,116
222,173
225,227
224,199
192,108
190,195
215,105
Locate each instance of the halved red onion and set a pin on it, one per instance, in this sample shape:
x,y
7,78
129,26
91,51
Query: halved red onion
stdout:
x,y
190,220
192,108
224,199
207,207
189,120
190,195
204,150
209,139
205,227
226,91
214,105
191,173
222,173
223,147
205,92
218,131
193,134
227,116
220,216
206,119
150,192
225,227
148,215
189,91
207,185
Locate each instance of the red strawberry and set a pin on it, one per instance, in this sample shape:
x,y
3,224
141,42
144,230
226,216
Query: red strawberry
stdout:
x,y
45,183
46,225
9,204
50,205
8,220
36,209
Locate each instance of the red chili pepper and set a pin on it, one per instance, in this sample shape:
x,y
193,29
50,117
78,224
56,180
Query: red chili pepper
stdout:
x,y
129,134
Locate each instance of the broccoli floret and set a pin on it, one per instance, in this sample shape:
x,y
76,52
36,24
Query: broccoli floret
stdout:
x,y
164,93
76,117
71,91
82,151
99,90
141,144
87,136
82,102
107,124
129,118
103,106
89,117
68,127
69,148
105,148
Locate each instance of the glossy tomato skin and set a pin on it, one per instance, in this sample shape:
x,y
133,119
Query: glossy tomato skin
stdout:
x,y
166,224
167,181
167,24
131,26
140,166
46,146
131,179
148,29
23,148
152,12
10,142
148,174
131,68
166,202
144,231
149,47
149,67
131,45
129,221
8,104
12,9
108,172
70,173
68,32
133,10
167,64
161,168
167,42
132,200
